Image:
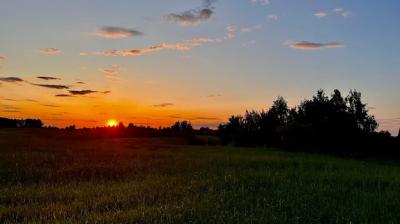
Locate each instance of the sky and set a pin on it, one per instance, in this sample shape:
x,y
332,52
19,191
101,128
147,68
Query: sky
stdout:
x,y
152,62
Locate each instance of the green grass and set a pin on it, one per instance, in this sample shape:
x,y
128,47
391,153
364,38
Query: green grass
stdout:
x,y
63,180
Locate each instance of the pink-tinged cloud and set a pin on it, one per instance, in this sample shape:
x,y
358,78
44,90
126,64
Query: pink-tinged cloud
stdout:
x,y
112,32
2,58
305,45
51,51
182,46
320,14
111,71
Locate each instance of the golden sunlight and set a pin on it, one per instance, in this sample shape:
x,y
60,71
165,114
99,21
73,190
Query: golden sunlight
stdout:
x,y
112,123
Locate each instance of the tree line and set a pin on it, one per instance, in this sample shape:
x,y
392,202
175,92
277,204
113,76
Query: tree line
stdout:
x,y
330,124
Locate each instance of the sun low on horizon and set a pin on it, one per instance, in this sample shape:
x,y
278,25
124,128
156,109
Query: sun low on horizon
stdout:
x,y
112,123
155,62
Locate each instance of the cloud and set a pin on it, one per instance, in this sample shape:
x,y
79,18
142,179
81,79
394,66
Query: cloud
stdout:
x,y
205,118
47,78
11,79
11,111
193,16
51,51
261,2
82,92
305,45
111,70
214,95
51,86
113,32
342,11
272,17
320,14
2,58
81,83
163,105
64,95
180,46
50,105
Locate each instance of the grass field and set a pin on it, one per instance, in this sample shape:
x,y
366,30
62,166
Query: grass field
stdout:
x,y
63,180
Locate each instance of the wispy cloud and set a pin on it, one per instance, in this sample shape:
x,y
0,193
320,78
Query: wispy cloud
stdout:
x,y
261,2
320,14
49,86
186,45
47,78
305,45
51,51
193,16
113,32
272,17
214,95
11,79
111,70
163,105
2,58
341,11
81,83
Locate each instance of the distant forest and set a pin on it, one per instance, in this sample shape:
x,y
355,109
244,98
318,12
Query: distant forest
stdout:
x,y
326,124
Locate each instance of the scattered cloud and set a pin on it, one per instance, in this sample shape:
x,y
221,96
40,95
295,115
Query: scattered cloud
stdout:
x,y
80,83
163,105
51,51
320,14
51,86
82,92
193,16
113,32
48,78
2,58
11,79
305,45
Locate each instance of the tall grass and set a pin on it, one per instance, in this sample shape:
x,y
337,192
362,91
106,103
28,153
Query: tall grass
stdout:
x,y
62,180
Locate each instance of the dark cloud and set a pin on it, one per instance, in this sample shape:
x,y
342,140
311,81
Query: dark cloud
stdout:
x,y
49,105
163,105
64,95
206,118
305,45
82,92
11,79
106,92
51,86
113,32
194,16
48,78
81,83
11,111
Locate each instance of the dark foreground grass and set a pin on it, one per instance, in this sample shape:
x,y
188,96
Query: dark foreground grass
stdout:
x,y
153,181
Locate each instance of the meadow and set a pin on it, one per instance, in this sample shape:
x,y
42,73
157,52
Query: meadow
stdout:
x,y
56,179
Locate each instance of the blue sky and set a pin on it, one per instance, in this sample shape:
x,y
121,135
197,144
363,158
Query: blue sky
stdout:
x,y
250,52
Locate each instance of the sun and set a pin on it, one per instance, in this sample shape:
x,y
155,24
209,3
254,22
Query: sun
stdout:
x,y
112,123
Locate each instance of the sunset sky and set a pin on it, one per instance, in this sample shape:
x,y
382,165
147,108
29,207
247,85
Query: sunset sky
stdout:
x,y
157,61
